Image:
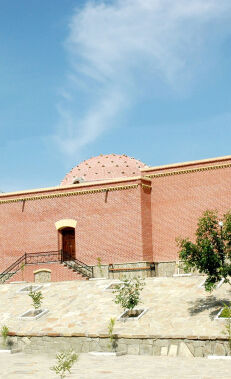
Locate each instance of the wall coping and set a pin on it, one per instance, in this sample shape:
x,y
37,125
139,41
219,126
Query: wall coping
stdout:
x,y
75,186
127,336
189,163
61,191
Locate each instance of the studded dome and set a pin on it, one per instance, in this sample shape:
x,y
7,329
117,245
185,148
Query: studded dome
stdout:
x,y
103,167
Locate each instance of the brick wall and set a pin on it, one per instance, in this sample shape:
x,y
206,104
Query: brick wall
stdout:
x,y
108,225
146,222
178,200
124,225
58,273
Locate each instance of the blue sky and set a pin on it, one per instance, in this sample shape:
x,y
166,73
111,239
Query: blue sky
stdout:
x,y
148,78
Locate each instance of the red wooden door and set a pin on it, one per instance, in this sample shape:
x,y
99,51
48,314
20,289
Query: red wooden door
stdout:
x,y
68,235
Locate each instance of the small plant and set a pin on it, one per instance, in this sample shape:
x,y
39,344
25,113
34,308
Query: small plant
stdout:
x,y
226,313
112,336
4,334
36,297
99,264
128,295
65,359
22,268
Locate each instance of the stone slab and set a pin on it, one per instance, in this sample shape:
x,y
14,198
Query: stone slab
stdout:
x,y
107,353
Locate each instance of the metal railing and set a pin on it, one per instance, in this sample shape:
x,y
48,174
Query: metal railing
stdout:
x,y
43,257
46,257
12,269
77,265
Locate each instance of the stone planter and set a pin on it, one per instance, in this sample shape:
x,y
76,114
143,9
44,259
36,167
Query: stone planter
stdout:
x,y
112,286
201,285
29,288
218,315
108,353
5,348
31,314
132,314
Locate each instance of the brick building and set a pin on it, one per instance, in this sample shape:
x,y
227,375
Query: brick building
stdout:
x,y
112,212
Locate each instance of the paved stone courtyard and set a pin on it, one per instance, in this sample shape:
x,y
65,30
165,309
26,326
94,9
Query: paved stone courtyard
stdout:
x,y
21,366
180,320
176,308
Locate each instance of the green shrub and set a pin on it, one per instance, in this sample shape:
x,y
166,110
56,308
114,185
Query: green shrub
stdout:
x,y
128,294
4,334
36,297
226,313
22,268
65,359
99,264
112,336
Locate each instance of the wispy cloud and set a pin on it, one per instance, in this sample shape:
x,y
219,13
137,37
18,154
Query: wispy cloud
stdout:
x,y
122,49
75,133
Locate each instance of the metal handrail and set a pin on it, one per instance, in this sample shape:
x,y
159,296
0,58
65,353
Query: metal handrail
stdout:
x,y
13,265
79,264
27,259
24,259
44,252
30,258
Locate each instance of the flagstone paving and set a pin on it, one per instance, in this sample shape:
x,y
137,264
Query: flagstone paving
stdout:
x,y
176,308
21,366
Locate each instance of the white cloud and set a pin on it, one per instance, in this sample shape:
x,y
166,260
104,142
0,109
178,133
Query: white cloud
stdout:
x,y
120,50
72,137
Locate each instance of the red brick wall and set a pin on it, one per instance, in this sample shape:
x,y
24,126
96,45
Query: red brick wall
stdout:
x,y
58,273
108,226
179,200
146,222
125,225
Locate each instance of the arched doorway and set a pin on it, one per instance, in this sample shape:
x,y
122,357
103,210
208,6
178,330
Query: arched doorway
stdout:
x,y
68,243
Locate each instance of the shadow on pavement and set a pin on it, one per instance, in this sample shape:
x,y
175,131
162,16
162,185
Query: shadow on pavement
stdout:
x,y
211,303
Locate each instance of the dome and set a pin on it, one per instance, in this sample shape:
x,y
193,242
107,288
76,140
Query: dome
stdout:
x,y
103,167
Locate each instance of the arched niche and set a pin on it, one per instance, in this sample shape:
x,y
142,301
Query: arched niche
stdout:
x,y
42,275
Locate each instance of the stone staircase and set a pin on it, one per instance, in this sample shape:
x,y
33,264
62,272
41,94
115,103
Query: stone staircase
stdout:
x,y
69,265
82,269
26,266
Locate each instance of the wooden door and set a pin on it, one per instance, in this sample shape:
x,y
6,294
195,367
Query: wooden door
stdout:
x,y
68,247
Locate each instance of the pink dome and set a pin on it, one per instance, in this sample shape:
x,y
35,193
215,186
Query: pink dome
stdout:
x,y
103,167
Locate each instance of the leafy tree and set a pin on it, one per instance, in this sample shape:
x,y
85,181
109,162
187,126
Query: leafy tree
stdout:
x,y
65,361
211,253
36,297
128,294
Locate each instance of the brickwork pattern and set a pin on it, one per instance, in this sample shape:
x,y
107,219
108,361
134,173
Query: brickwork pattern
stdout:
x,y
108,226
58,273
179,200
139,223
